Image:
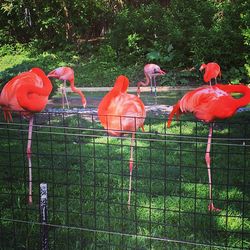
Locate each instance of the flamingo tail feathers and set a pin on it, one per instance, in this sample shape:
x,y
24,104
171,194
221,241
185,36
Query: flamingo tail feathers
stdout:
x,y
176,111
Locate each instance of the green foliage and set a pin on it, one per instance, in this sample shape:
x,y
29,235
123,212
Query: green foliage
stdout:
x,y
135,30
236,75
186,34
177,35
156,56
187,21
178,78
12,49
54,22
91,70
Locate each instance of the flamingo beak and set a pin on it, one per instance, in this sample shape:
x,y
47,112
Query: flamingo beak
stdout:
x,y
162,72
201,67
84,103
52,74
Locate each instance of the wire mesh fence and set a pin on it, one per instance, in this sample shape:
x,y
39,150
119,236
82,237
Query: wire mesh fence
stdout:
x,y
87,175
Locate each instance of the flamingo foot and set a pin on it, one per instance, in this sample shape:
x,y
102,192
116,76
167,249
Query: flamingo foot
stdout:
x,y
212,208
130,182
155,94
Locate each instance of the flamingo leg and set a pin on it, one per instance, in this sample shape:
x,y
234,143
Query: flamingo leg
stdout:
x,y
29,157
7,116
130,168
63,97
155,85
64,94
64,84
151,85
211,206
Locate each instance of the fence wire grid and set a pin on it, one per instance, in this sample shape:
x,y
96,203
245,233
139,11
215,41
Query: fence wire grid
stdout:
x,y
87,174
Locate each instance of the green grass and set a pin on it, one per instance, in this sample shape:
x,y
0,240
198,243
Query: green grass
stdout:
x,y
87,175
95,68
90,70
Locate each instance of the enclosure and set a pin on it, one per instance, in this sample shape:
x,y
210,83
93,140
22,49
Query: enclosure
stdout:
x,y
87,173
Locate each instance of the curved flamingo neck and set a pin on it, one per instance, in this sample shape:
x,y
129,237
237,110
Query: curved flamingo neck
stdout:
x,y
78,91
238,88
120,87
144,83
31,97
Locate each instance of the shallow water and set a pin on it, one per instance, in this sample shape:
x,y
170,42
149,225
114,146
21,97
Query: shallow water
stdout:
x,y
93,99
155,105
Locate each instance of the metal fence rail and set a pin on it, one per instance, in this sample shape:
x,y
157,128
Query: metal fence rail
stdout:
x,y
87,175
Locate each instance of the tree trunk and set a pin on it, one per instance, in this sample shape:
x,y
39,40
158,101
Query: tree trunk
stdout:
x,y
67,24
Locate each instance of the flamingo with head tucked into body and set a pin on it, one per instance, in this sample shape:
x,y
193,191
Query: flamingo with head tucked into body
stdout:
x,y
151,71
67,74
212,71
26,93
119,113
209,103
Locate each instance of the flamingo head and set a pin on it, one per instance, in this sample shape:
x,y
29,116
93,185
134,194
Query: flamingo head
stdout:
x,y
62,73
84,102
203,66
54,73
159,71
76,90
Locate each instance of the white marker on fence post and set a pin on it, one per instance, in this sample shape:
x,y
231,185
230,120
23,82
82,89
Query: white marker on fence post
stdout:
x,y
44,215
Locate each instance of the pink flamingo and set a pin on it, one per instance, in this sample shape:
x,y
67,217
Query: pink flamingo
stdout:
x,y
212,70
120,112
150,71
67,74
209,103
27,93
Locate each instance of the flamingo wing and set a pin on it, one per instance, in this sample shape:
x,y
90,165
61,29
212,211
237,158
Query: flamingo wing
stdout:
x,y
119,111
210,103
125,113
28,91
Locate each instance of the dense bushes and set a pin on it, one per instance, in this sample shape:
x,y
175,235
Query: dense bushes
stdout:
x,y
185,34
176,34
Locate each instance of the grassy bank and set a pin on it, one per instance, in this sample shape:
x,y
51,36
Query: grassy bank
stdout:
x,y
87,175
94,68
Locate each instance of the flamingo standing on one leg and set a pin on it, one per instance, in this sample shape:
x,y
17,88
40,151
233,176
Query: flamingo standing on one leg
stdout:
x,y
67,74
27,93
212,70
209,103
119,113
150,71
